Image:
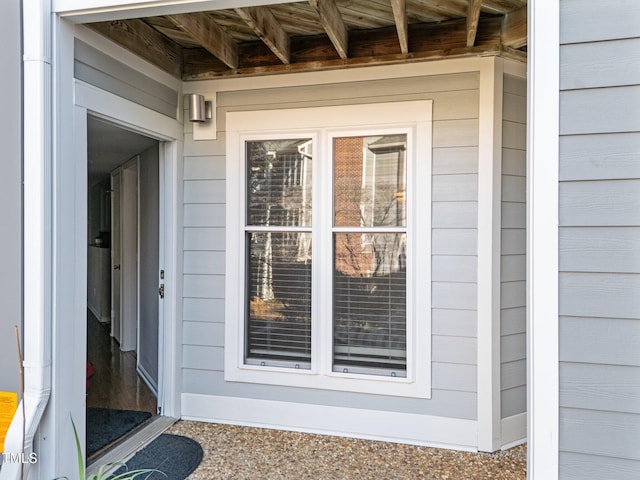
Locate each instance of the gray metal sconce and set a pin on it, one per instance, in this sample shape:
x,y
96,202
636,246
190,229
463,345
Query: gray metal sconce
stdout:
x,y
200,110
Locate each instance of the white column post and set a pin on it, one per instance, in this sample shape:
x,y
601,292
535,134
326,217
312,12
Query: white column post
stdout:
x,y
542,239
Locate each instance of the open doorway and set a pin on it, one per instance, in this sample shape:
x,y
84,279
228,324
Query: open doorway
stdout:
x,y
122,282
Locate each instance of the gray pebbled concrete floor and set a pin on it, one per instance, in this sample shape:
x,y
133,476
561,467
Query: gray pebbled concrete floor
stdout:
x,y
247,453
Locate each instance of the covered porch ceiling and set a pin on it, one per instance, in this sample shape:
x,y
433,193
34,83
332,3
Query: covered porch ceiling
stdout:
x,y
321,34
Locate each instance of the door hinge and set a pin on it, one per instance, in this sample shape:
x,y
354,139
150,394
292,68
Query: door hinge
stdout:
x,y
161,290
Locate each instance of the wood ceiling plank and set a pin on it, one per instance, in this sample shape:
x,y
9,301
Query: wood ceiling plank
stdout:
x,y
400,16
145,41
514,28
268,29
333,24
210,35
473,17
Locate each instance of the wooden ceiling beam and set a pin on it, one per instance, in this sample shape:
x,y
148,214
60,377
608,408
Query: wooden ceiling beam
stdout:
x,y
210,35
269,30
473,18
514,28
400,16
366,47
145,41
197,69
333,24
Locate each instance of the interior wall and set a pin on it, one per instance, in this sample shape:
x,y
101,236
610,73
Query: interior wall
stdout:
x,y
10,192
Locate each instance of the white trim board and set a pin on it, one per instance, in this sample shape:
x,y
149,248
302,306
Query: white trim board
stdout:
x,y
415,429
513,430
543,94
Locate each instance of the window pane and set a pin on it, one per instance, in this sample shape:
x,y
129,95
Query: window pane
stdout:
x,y
369,181
279,296
369,303
279,182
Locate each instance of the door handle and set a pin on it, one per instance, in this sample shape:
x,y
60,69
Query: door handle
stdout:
x,y
161,290
116,267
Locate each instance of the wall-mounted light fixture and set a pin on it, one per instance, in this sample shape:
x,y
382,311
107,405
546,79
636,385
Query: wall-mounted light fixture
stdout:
x,y
200,110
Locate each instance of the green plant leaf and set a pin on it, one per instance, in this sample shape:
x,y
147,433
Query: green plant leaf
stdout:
x,y
81,469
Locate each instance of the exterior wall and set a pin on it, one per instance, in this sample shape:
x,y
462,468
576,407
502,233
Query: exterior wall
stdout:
x,y
513,375
454,260
10,193
599,240
105,72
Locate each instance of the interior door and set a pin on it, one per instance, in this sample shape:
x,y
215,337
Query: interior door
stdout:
x,y
129,256
116,252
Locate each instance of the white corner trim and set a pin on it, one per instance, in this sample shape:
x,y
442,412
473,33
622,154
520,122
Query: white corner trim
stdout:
x,y
542,239
514,430
411,428
489,225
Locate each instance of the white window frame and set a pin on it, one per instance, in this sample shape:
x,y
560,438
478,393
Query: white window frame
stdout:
x,y
322,123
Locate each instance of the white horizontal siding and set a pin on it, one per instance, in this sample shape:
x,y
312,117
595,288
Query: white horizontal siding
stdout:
x,y
593,340
600,249
606,295
590,20
583,431
204,238
599,253
614,388
200,262
600,203
204,168
203,309
600,157
513,249
577,466
452,268
454,241
206,334
462,323
600,64
203,215
455,188
513,320
454,160
600,110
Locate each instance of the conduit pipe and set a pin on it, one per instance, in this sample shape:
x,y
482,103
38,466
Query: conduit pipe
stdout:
x,y
37,200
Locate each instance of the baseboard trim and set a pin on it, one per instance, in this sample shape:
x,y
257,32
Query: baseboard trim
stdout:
x,y
427,430
514,430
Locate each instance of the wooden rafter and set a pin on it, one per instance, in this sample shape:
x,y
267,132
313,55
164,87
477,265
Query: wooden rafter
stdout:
x,y
333,24
366,47
473,18
143,40
267,27
514,28
210,35
400,17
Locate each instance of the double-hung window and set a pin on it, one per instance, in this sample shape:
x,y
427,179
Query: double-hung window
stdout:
x,y
328,248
